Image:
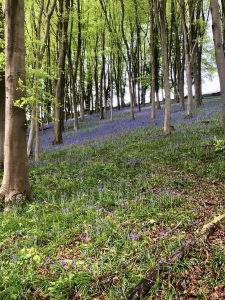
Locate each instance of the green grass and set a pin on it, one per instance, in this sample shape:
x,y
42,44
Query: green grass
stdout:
x,y
105,212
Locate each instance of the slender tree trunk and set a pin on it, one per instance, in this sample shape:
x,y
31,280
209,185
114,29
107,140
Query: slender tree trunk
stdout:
x,y
153,64
72,83
111,86
60,84
37,133
34,126
97,104
81,89
219,49
188,59
32,132
2,96
190,103
128,62
15,184
165,62
198,75
73,74
181,78
101,116
118,81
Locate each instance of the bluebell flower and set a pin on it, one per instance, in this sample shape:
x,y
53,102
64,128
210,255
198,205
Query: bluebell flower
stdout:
x,y
63,263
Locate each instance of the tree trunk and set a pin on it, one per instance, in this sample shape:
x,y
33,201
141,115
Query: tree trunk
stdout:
x,y
188,59
165,62
111,86
15,184
2,96
198,75
219,49
153,64
81,89
34,126
181,78
223,21
190,104
97,105
60,85
128,62
101,115
72,83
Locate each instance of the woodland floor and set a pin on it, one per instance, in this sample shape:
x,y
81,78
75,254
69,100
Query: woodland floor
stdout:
x,y
104,211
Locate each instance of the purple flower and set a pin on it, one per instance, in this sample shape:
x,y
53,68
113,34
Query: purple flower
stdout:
x,y
63,263
133,236
93,129
87,237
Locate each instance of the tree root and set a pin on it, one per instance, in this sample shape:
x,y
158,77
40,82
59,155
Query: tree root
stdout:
x,y
9,199
148,282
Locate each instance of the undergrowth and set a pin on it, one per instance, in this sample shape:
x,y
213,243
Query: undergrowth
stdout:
x,y
103,213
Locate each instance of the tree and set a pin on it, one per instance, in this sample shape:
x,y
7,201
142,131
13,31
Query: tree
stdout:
x,y
153,62
15,184
60,84
219,49
129,61
163,28
2,94
34,128
188,53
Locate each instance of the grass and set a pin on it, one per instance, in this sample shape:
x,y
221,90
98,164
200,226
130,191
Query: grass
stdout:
x,y
103,213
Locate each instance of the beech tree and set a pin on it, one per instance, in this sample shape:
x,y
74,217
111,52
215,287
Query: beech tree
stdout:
x,y
34,128
161,6
219,49
15,184
2,93
60,84
82,54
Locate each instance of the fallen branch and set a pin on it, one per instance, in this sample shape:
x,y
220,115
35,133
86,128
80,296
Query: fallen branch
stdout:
x,y
148,282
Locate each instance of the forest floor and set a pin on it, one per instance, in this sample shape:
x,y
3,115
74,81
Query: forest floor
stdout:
x,y
106,210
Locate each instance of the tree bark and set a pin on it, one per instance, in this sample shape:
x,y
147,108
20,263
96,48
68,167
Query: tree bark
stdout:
x,y
223,21
101,115
97,104
219,49
60,85
15,184
111,86
81,88
2,96
198,76
188,60
165,62
153,64
128,62
181,67
34,126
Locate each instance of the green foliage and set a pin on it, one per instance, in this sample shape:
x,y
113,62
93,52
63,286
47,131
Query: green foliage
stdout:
x,y
219,145
110,208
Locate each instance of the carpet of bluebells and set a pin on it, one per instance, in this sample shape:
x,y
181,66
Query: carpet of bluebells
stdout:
x,y
112,201
94,129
